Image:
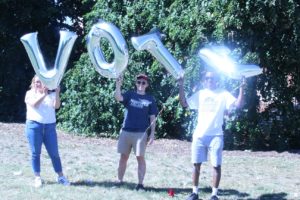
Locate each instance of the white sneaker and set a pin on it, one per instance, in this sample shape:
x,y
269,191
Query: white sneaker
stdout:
x,y
63,180
38,182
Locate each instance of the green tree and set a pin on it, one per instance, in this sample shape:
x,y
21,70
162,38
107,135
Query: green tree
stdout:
x,y
261,32
270,32
187,27
18,18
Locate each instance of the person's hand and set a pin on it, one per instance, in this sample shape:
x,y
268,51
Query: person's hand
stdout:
x,y
119,80
243,83
180,81
151,139
45,90
57,90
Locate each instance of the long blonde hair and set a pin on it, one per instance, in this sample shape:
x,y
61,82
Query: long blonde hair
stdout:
x,y
32,82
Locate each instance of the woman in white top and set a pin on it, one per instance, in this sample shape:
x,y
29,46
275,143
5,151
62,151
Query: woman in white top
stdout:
x,y
41,127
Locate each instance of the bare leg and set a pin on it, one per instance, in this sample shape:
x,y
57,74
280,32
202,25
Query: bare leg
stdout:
x,y
141,168
196,174
216,176
122,166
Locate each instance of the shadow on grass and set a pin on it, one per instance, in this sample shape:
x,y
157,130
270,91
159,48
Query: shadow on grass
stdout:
x,y
129,185
230,192
126,185
223,193
107,184
274,196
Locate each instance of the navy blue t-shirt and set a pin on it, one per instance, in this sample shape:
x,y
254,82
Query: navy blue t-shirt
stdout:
x,y
138,111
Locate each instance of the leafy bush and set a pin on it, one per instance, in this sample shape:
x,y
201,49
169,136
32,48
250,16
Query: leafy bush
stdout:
x,y
261,32
89,107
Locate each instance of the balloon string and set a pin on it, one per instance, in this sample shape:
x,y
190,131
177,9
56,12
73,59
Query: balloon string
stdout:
x,y
161,110
234,89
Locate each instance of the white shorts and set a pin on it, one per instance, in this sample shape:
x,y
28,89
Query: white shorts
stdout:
x,y
208,144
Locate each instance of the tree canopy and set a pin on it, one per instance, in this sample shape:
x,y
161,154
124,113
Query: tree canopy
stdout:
x,y
262,32
18,18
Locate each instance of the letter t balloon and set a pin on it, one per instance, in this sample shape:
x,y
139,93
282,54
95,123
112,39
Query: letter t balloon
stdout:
x,y
152,43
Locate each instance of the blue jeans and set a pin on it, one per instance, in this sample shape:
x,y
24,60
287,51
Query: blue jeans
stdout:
x,y
37,134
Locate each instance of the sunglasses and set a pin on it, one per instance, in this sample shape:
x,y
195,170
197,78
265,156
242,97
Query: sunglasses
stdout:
x,y
141,82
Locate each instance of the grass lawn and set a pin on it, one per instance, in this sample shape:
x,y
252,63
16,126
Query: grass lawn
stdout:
x,y
91,166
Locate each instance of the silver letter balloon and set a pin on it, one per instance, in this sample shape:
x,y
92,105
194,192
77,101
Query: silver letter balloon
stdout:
x,y
152,43
218,58
110,32
50,76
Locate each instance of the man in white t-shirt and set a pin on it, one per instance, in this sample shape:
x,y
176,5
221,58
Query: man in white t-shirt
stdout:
x,y
211,104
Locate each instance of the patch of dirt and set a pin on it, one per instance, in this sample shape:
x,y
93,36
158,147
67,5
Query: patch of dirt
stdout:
x,y
162,145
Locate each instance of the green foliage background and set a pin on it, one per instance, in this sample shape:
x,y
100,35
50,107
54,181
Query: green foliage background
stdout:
x,y
137,18
258,31
18,18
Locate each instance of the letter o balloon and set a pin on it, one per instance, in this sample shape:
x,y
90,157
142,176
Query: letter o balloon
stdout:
x,y
110,32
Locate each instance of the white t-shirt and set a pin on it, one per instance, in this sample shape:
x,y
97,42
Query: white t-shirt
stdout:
x,y
44,112
211,105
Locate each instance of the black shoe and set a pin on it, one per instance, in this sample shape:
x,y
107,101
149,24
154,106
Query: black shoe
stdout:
x,y
193,196
140,187
214,197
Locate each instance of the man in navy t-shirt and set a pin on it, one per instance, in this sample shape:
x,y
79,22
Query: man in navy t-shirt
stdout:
x,y
140,115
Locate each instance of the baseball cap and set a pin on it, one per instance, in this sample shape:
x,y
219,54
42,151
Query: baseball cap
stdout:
x,y
142,76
